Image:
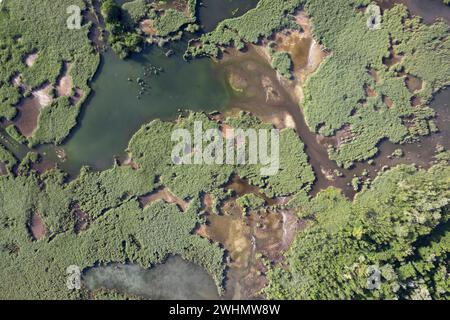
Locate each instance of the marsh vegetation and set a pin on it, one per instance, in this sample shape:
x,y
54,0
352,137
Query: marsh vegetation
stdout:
x,y
364,167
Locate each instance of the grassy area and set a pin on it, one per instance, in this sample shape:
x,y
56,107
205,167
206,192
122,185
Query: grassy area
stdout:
x,y
399,225
336,95
282,63
250,202
119,229
25,28
171,21
7,158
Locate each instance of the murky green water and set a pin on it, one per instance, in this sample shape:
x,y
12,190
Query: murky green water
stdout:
x,y
429,10
176,279
114,112
211,12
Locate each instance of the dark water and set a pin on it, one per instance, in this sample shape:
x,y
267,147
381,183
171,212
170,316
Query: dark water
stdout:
x,y
114,112
176,279
429,10
212,12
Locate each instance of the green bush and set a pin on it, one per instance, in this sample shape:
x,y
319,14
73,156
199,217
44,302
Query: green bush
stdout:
x,y
399,226
111,11
250,202
171,21
281,62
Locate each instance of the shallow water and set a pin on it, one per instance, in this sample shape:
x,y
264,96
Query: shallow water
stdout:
x,y
116,110
246,72
176,279
212,12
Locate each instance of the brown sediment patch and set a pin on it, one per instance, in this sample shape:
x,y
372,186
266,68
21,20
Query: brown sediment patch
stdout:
x,y
388,101
64,86
344,134
416,101
43,95
16,81
298,47
31,59
82,220
37,227
247,240
413,84
305,52
303,20
127,161
393,59
147,27
370,92
78,95
163,194
285,120
29,109
3,170
375,75
272,95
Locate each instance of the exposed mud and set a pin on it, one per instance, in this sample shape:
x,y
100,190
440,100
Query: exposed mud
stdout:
x,y
31,59
65,84
163,194
29,108
37,227
252,241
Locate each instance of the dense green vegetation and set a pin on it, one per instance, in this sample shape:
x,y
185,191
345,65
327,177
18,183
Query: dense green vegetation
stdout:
x,y
262,21
26,29
250,202
7,158
119,229
336,95
15,134
171,21
135,10
123,38
398,226
55,122
123,23
281,62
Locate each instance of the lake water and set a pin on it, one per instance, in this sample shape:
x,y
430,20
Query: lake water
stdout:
x,y
212,12
115,111
176,279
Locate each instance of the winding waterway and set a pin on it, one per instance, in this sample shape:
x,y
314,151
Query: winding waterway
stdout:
x,y
128,94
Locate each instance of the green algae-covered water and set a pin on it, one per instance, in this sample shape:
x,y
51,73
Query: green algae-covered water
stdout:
x,y
116,110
